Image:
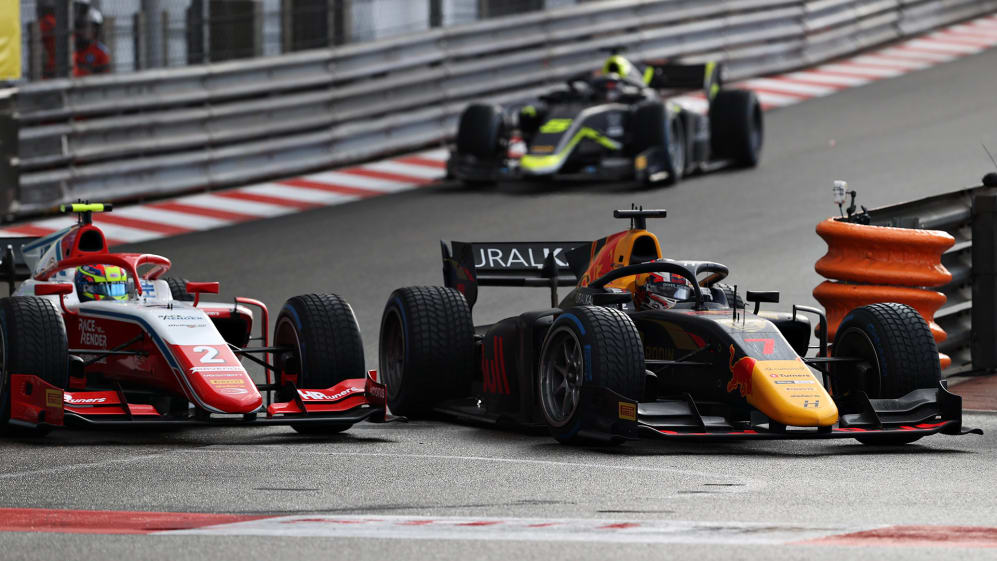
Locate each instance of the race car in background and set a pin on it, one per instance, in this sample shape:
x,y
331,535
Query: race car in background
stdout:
x,y
143,350
604,364
613,125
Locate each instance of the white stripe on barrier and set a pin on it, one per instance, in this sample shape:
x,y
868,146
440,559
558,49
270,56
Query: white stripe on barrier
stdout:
x,y
439,154
767,98
234,205
359,181
779,84
816,77
304,195
410,170
171,218
859,70
891,62
935,45
523,529
935,57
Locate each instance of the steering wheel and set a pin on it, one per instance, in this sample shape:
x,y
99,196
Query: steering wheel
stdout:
x,y
652,267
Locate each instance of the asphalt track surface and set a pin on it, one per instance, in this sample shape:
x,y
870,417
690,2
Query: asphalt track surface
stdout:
x,y
893,140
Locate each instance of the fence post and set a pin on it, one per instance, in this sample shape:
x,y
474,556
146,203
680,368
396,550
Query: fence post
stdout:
x,y
984,317
340,22
9,179
435,13
63,39
286,26
164,60
36,51
139,39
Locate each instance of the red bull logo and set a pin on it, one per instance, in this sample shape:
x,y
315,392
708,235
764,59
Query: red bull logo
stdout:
x,y
740,373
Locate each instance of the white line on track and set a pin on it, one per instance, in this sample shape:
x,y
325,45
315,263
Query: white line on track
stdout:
x,y
59,469
916,55
936,45
853,69
525,529
440,154
769,98
112,231
890,62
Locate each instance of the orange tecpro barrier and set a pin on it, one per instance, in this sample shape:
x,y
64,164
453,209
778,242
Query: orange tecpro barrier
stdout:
x,y
869,264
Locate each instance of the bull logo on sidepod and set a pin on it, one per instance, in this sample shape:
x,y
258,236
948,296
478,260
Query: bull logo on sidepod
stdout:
x,y
740,373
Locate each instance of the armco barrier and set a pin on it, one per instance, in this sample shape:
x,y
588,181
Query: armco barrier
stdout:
x,y
869,264
162,132
968,315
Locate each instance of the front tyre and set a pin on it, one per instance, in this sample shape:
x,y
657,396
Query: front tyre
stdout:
x,y
736,129
33,342
900,357
426,348
587,346
322,334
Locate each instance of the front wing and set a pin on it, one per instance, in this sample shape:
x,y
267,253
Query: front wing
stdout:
x,y
36,403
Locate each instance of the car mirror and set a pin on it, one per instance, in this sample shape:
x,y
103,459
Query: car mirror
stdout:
x,y
759,296
51,289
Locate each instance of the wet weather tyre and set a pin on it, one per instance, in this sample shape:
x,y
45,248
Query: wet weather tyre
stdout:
x,y
426,348
322,333
33,342
736,127
733,300
654,128
178,289
588,346
900,353
479,130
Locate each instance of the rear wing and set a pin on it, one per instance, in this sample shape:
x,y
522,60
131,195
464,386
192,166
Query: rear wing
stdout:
x,y
685,77
466,265
13,267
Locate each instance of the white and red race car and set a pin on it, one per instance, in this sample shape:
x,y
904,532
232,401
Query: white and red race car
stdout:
x,y
159,356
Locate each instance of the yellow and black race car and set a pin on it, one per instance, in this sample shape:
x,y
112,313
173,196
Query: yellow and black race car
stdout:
x,y
656,347
613,125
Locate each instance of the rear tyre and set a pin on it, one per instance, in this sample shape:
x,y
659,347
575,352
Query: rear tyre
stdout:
x,y
326,348
733,300
736,130
178,289
33,342
900,351
654,128
587,346
426,348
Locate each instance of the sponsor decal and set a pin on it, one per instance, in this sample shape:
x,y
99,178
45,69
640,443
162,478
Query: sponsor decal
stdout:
x,y
82,400
493,371
228,382
53,398
91,334
542,149
179,317
748,325
517,257
627,411
555,126
794,381
319,395
233,391
641,163
740,374
203,369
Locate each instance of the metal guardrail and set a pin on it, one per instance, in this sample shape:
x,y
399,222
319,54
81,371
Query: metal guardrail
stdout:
x,y
969,316
168,131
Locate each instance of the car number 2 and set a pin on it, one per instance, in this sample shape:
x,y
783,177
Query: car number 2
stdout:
x,y
210,355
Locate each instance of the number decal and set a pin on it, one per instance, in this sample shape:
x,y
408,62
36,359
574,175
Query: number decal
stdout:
x,y
768,345
555,126
210,355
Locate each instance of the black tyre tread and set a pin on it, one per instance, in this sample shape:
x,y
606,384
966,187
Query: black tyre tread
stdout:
x,y
439,338
333,347
731,113
911,355
178,288
732,299
618,362
479,129
35,338
619,347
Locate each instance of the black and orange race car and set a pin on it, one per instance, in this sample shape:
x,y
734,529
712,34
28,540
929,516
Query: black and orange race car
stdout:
x,y
599,365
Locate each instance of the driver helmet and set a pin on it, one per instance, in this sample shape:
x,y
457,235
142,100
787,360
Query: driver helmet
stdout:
x,y
101,282
661,291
